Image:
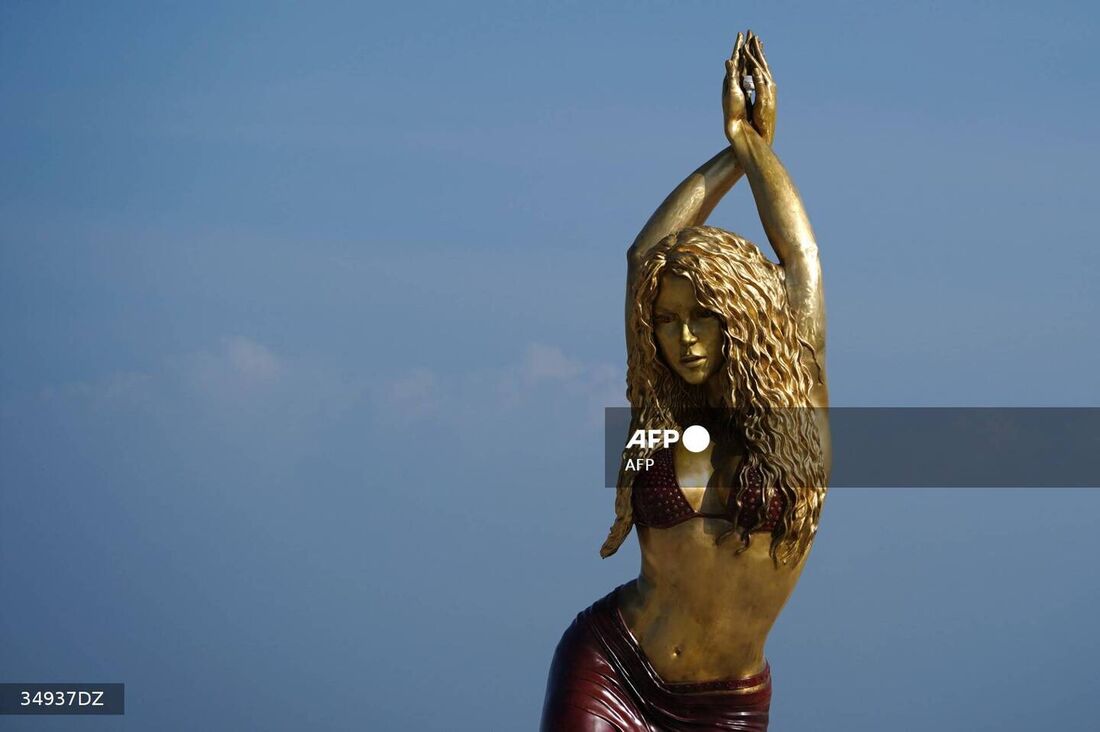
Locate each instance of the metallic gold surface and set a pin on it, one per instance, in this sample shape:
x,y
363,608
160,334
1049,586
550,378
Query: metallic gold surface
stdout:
x,y
689,335
701,608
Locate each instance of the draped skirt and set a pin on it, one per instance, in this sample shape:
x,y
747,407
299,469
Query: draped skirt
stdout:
x,y
601,681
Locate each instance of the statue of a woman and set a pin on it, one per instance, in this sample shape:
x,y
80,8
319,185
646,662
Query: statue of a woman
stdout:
x,y
716,333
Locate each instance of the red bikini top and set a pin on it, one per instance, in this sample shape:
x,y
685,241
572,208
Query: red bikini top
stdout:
x,y
659,503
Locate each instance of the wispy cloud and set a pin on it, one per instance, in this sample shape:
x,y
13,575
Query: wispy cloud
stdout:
x,y
413,396
238,369
249,394
541,381
547,363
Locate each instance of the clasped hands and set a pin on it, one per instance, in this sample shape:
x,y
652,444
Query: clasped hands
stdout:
x,y
744,105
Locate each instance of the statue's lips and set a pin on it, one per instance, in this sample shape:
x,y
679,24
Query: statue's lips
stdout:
x,y
692,360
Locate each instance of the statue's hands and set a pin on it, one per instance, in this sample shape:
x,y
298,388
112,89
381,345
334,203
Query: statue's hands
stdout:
x,y
738,106
735,103
763,106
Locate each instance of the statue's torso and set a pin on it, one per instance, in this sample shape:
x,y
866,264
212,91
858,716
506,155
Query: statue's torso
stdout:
x,y
701,610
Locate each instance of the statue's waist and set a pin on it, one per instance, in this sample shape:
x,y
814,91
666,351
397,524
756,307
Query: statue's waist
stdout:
x,y
689,641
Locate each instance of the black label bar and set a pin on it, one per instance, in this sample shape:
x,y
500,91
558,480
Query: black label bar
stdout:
x,y
62,698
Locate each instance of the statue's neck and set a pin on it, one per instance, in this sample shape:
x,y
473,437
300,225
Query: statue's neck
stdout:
x,y
715,392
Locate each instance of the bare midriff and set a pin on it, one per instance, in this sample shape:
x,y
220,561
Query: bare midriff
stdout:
x,y
701,611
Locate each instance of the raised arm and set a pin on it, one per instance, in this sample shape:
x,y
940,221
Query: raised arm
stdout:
x,y
691,202
781,211
695,198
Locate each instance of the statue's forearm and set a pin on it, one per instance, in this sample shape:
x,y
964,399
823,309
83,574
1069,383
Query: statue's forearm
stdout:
x,y
719,175
780,207
688,205
788,230
692,201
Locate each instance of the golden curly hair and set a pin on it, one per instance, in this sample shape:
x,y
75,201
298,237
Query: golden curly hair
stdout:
x,y
765,388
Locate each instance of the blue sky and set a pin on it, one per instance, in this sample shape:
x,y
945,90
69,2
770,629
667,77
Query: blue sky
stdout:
x,y
309,313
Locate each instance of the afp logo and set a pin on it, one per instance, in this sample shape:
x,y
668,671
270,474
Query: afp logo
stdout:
x,y
695,439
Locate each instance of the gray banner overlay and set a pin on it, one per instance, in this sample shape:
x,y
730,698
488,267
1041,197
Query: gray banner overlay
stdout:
x,y
956,447
62,698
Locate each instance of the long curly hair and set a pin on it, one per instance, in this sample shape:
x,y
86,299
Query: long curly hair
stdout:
x,y
764,406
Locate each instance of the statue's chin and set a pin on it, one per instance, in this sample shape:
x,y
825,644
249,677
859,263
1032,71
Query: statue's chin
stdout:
x,y
695,378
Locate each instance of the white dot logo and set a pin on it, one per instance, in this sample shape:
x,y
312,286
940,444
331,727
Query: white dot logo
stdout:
x,y
696,438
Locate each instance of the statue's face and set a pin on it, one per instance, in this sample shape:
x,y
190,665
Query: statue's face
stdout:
x,y
689,335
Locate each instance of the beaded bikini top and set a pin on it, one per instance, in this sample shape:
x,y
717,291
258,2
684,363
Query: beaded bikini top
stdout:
x,y
659,503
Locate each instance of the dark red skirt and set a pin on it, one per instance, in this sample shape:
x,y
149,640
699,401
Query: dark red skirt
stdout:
x,y
601,681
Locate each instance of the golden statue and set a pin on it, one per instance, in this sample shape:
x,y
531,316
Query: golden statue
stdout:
x,y
713,327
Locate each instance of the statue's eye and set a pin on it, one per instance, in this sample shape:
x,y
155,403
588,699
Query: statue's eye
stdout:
x,y
664,318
